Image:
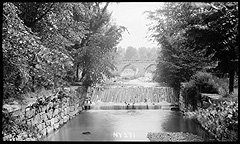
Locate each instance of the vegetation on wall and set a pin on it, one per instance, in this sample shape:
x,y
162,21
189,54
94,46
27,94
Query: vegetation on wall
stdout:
x,y
220,119
201,82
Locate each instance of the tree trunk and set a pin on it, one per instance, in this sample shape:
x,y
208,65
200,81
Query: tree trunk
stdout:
x,y
83,75
77,72
231,81
33,83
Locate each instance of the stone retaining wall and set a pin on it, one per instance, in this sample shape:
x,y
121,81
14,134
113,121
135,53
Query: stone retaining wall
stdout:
x,y
204,120
48,113
206,101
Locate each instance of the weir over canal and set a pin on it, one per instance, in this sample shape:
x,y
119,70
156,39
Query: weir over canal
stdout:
x,y
126,113
131,97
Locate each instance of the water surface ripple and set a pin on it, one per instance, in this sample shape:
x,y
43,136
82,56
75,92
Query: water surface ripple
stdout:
x,y
123,125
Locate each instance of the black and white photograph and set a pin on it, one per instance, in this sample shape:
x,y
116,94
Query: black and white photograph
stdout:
x,y
120,71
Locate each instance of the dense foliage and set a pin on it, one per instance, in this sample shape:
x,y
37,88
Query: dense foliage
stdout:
x,y
195,36
199,83
14,126
219,119
45,44
133,53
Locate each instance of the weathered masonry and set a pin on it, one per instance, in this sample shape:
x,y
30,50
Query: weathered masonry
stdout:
x,y
49,113
135,67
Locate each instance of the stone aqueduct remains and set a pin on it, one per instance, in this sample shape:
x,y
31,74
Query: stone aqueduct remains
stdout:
x,y
140,66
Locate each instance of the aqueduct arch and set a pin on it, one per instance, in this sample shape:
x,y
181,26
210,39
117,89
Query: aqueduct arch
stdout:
x,y
139,66
129,70
149,70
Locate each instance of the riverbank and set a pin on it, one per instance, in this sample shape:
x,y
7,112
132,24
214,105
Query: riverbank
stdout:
x,y
220,119
47,114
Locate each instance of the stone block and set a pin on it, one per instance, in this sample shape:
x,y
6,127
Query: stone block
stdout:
x,y
52,121
58,111
44,125
39,136
36,119
64,105
65,111
50,105
40,127
65,119
48,123
77,112
80,108
55,112
34,112
76,107
28,139
73,114
61,121
44,108
56,105
62,114
60,105
29,113
44,132
71,108
49,130
56,119
67,100
49,114
41,114
68,109
44,117
29,122
19,138
56,126
7,137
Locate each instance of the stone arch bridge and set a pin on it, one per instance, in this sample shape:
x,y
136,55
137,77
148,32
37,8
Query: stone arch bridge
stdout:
x,y
138,68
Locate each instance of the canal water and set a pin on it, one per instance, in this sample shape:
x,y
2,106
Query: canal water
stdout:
x,y
126,113
123,125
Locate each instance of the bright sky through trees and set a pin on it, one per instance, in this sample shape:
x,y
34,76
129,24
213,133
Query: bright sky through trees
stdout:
x,y
131,15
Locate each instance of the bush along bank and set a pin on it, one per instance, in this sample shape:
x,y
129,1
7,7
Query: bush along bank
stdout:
x,y
217,116
44,116
220,120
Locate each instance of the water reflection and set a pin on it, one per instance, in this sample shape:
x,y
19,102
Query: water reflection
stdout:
x,y
122,125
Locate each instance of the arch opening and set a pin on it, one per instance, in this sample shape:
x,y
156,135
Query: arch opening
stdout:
x,y
129,70
149,70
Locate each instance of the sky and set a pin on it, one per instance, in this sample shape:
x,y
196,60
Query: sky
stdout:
x,y
130,15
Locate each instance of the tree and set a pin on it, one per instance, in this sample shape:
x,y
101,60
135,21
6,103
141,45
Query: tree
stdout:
x,y
208,31
20,48
43,42
218,33
55,26
130,51
142,51
154,52
119,55
93,54
177,61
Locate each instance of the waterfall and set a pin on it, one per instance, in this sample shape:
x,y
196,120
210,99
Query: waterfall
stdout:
x,y
131,97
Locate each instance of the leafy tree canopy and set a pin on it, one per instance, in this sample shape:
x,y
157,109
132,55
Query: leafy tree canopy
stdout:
x,y
43,43
194,36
